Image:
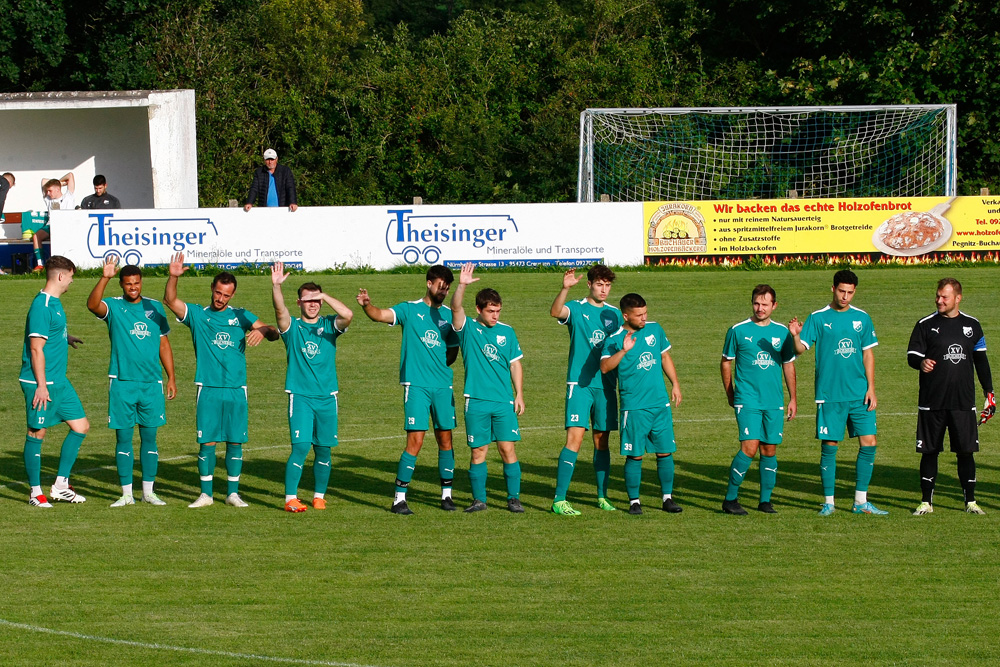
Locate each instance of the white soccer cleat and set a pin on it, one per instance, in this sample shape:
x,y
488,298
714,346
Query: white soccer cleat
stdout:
x,y
123,501
234,500
974,508
204,500
67,495
152,499
923,508
39,501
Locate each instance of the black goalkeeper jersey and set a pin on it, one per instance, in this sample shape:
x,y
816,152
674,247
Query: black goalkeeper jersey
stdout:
x,y
951,342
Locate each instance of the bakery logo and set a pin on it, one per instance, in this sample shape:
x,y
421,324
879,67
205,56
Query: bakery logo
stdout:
x,y
596,337
955,354
140,330
845,348
967,331
310,350
491,352
223,341
431,339
763,360
676,228
646,361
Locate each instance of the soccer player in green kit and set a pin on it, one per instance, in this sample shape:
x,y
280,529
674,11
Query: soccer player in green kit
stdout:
x,y
590,394
49,398
427,350
845,386
492,358
138,330
640,351
310,382
762,351
220,334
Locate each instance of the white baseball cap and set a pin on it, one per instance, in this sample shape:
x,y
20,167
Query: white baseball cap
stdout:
x,y
270,154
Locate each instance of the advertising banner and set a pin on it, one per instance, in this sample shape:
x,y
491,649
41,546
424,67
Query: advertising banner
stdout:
x,y
380,237
905,227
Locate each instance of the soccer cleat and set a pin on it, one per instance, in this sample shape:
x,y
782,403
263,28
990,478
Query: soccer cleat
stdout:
x,y
476,506
204,500
827,509
234,500
514,505
401,508
294,505
152,499
123,501
973,508
733,507
67,495
868,508
635,509
38,268
670,506
448,505
563,508
319,503
605,505
766,508
923,508
39,501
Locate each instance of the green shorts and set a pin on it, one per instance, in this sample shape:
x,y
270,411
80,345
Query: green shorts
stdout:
x,y
591,405
221,414
490,421
833,417
758,424
313,419
64,405
135,403
421,403
647,430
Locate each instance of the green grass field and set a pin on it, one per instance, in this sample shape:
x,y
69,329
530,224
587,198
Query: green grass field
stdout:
x,y
88,585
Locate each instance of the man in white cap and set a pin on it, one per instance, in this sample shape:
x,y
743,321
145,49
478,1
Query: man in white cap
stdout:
x,y
273,185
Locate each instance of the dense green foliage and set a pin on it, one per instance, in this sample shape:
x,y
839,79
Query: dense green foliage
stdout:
x,y
479,101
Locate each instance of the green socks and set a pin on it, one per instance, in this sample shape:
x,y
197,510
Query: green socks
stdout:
x,y
828,468
768,477
633,477
293,468
206,467
665,471
741,463
512,476
477,480
234,466
70,450
602,469
33,460
865,466
322,467
564,473
446,466
404,471
123,455
149,456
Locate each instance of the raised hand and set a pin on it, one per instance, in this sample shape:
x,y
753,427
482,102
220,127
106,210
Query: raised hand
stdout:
x,y
465,277
570,278
110,266
794,326
628,342
177,267
363,298
278,275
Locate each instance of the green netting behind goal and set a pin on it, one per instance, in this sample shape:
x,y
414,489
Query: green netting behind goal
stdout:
x,y
759,153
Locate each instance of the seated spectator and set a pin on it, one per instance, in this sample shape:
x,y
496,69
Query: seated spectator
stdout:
x,y
101,197
56,199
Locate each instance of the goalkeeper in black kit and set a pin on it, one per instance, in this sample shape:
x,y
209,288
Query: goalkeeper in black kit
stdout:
x,y
945,347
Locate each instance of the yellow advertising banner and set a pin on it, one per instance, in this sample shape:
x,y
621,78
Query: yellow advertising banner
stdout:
x,y
905,227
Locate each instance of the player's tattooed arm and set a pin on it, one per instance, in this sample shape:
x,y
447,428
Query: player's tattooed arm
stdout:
x,y
788,369
375,314
559,309
281,315
671,372
795,328
95,303
610,363
868,358
726,370
517,379
170,299
465,278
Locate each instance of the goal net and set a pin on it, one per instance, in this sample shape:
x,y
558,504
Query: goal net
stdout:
x,y
765,153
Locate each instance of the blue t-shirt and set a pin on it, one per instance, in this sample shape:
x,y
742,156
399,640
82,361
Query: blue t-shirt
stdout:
x,y
272,191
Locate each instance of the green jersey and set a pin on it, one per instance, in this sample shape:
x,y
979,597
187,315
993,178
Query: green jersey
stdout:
x,y
588,326
312,356
840,338
423,351
759,353
135,330
47,320
487,353
640,373
219,344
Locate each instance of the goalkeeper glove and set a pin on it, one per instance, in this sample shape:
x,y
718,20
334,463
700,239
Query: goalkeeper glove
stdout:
x,y
989,408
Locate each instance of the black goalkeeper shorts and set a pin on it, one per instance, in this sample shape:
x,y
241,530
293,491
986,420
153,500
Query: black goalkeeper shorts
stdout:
x,y
962,426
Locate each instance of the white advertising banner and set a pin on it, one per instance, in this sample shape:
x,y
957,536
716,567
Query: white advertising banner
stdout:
x,y
381,237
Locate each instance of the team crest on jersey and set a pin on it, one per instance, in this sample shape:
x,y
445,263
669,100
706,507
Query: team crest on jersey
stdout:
x,y
775,342
491,352
955,354
651,340
234,322
597,337
150,314
646,361
845,348
501,340
431,339
763,360
140,330
311,349
857,325
967,331
223,340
